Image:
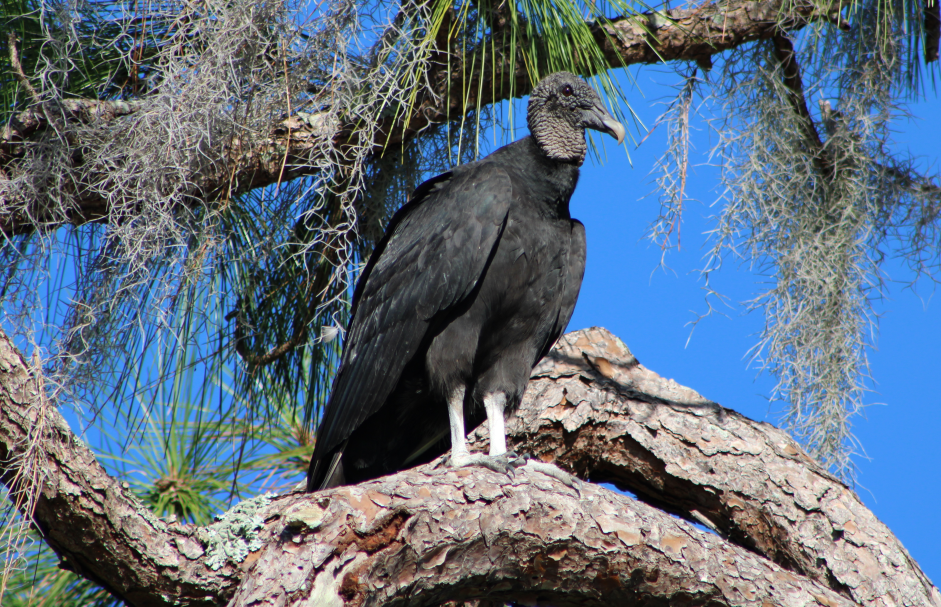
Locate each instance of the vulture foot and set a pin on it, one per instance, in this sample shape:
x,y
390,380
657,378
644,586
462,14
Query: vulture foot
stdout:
x,y
504,464
555,472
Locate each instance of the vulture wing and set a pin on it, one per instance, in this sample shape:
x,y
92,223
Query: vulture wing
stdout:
x,y
575,271
435,252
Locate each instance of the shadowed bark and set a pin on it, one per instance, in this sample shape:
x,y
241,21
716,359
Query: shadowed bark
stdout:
x,y
286,153
791,534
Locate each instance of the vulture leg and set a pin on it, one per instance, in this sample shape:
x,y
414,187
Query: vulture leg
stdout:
x,y
456,419
494,405
499,459
460,456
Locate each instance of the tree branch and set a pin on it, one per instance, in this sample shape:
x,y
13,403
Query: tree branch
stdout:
x,y
425,537
791,75
594,410
428,536
18,67
286,153
91,520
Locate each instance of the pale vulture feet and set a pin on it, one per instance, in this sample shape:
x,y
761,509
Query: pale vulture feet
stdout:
x,y
504,464
555,472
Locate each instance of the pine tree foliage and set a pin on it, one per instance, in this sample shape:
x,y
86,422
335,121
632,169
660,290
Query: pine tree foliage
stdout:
x,y
195,327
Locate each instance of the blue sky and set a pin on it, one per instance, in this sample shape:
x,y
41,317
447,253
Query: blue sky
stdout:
x,y
649,309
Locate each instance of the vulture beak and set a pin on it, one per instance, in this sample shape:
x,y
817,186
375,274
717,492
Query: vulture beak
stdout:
x,y
599,119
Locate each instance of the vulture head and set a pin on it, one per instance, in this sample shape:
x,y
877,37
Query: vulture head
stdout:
x,y
560,108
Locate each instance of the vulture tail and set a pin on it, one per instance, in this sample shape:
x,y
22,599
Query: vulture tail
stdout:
x,y
327,472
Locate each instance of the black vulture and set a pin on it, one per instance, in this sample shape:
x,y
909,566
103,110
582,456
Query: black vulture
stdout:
x,y
473,282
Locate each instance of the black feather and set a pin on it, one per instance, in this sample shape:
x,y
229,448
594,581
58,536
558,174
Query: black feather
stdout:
x,y
473,282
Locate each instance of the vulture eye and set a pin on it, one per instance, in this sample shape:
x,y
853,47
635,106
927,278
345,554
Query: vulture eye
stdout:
x,y
567,90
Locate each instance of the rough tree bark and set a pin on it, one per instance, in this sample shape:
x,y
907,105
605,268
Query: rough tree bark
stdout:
x,y
788,533
684,34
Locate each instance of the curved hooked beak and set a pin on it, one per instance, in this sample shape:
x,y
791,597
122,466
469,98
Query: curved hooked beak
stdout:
x,y
599,119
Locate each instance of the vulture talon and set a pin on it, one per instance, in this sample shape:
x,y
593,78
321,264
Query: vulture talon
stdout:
x,y
498,463
555,472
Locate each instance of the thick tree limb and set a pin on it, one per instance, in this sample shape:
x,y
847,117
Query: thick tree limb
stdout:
x,y
594,410
425,537
428,536
91,519
679,34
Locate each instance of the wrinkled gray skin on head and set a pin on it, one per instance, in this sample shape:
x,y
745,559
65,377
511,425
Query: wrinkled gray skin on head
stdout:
x,y
561,107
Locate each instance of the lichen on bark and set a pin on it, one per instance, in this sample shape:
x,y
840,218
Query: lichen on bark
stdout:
x,y
236,532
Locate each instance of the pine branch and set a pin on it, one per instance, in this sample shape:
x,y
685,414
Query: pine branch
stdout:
x,y
18,68
89,518
794,534
425,537
289,150
593,409
791,75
